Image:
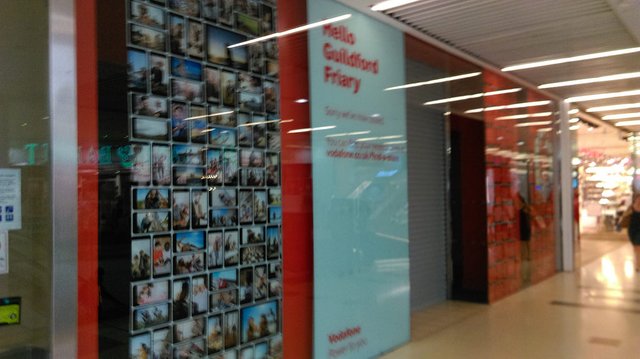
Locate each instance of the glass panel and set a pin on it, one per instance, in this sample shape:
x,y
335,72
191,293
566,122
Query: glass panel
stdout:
x,y
24,144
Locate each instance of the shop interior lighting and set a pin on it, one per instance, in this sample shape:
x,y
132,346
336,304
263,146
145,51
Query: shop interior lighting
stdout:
x,y
603,96
564,60
622,116
292,31
211,115
573,111
624,106
322,128
467,97
528,115
506,107
390,4
530,124
628,123
435,81
574,120
628,75
546,129
574,127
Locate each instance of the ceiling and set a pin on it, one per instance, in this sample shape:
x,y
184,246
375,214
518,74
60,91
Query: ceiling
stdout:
x,y
510,32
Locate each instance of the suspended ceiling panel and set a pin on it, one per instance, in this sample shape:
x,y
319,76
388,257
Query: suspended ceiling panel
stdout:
x,y
510,32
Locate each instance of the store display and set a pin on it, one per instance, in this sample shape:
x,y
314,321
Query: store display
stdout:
x,y
206,276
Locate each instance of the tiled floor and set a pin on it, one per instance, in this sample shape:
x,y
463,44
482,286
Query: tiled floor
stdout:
x,y
592,313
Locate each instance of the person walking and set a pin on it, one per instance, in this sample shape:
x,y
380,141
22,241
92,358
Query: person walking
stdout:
x,y
634,230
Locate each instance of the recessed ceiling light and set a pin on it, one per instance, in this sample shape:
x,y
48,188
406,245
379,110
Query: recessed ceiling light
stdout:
x,y
435,81
390,4
602,96
563,60
621,116
628,75
624,106
628,123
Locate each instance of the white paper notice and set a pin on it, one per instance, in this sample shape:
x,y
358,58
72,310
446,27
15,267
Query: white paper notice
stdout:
x,y
4,252
10,199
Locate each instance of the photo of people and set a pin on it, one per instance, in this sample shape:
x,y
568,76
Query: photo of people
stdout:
x,y
189,155
215,166
195,40
148,317
259,132
273,169
251,255
245,206
275,215
140,346
223,197
199,208
274,241
147,37
200,295
273,123
140,156
185,90
197,112
151,106
188,330
275,288
261,351
199,132
224,300
273,68
212,84
224,217
215,338
147,15
229,89
259,321
248,83
161,165
224,279
150,222
260,206
161,256
252,235
222,116
186,7
245,132
230,167
270,97
162,344
151,198
275,347
231,248
137,70
275,196
255,58
251,158
151,293
177,38
140,259
261,283
271,49
273,140
215,246
195,349
192,263
189,242
226,12
181,298
188,176
231,325
224,137
159,79
266,20
247,24
251,102
252,177
187,69
179,126
218,51
180,210
210,9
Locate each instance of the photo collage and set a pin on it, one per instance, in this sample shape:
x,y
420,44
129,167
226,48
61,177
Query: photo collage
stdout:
x,y
206,237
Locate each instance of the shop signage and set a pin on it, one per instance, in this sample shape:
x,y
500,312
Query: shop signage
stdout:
x,y
10,199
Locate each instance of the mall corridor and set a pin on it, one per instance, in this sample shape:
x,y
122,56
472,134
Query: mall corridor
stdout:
x,y
592,313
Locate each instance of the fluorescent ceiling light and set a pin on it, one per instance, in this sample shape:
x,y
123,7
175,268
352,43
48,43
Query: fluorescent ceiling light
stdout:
x,y
349,134
378,138
292,31
211,115
625,106
596,55
301,100
300,130
435,81
574,111
628,123
390,4
506,107
574,127
257,123
621,116
530,124
467,97
546,129
529,115
574,120
628,75
603,96
395,143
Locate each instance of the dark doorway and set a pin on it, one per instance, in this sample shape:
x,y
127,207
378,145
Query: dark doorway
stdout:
x,y
468,210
